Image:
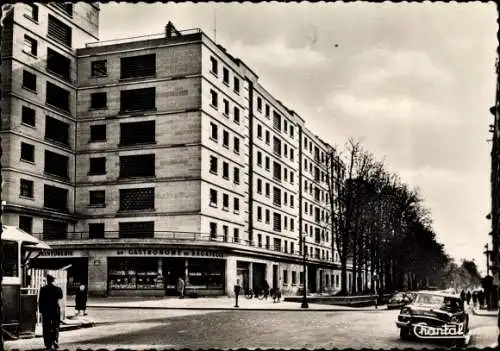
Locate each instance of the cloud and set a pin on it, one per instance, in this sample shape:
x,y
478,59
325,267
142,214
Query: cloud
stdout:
x,y
276,53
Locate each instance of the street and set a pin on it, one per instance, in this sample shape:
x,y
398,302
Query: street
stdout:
x,y
142,329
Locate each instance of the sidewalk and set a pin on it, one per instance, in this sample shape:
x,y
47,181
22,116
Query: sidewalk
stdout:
x,y
485,313
212,303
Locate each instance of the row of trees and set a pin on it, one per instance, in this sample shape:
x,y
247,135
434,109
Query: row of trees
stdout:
x,y
380,226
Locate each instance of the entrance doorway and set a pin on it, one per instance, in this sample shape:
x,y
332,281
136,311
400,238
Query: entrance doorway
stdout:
x,y
173,268
311,279
275,276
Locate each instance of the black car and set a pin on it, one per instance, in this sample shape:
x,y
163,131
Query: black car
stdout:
x,y
400,299
436,316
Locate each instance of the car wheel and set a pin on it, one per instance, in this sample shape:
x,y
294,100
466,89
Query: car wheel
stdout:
x,y
404,333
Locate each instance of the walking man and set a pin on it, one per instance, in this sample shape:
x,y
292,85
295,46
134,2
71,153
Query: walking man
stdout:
x,y
237,289
180,287
48,305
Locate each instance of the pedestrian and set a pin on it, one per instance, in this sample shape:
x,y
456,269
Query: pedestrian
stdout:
x,y
468,297
462,295
266,289
237,289
181,286
81,300
474,298
277,295
48,306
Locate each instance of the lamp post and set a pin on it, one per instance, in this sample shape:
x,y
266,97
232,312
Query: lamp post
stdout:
x,y
487,253
304,267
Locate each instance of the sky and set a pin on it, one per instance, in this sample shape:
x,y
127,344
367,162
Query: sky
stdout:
x,y
413,82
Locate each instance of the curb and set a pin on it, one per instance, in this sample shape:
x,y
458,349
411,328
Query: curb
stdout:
x,y
484,314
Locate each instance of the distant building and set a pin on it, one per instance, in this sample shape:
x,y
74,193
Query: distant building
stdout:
x,y
147,159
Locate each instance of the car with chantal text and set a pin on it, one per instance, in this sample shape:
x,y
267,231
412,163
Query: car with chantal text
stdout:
x,y
400,299
434,316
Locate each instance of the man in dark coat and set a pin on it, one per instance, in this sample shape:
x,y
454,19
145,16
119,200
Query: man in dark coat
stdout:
x,y
81,300
48,305
468,297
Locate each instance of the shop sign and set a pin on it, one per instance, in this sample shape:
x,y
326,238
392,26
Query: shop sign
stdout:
x,y
170,252
56,253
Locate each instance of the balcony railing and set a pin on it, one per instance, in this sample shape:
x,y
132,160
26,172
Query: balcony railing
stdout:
x,y
206,238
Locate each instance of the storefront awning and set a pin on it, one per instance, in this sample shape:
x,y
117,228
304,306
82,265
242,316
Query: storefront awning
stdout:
x,y
19,235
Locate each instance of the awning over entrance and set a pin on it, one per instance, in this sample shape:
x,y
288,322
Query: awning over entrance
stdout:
x,y
19,235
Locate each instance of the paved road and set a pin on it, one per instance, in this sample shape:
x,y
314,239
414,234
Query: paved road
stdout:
x,y
142,329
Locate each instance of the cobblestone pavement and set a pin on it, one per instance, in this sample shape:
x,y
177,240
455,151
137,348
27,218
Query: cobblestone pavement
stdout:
x,y
143,329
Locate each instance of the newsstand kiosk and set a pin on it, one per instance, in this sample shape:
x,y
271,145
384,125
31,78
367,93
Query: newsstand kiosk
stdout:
x,y
19,302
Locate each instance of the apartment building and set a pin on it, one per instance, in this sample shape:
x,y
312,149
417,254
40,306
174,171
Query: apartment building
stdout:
x,y
162,158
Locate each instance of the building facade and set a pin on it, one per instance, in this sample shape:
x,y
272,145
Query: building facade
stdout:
x,y
162,158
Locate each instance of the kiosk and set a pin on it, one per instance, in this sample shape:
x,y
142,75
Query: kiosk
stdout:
x,y
19,303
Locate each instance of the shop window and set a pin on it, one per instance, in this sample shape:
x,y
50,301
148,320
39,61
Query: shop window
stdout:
x,y
99,68
26,188
10,262
97,165
30,45
138,99
27,152
96,230
137,166
56,164
26,224
58,64
29,80
28,116
55,198
136,229
134,273
135,133
59,31
56,130
97,198
138,66
57,96
98,133
137,199
206,273
99,100
54,230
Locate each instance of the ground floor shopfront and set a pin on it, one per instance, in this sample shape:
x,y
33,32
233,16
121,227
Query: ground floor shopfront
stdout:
x,y
206,271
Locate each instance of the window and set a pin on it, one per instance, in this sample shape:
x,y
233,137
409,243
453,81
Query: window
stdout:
x,y
259,213
291,177
214,131
31,11
291,132
26,188
29,80
97,198
225,201
268,163
226,107
294,277
267,111
259,158
57,96
27,152
236,85
259,240
277,146
98,100
285,277
267,242
55,198
97,165
292,225
259,104
236,145
225,232
276,222
59,31
26,224
277,121
137,166
268,216
213,197
56,164
54,230
225,170
236,175
99,68
236,205
213,230
98,132
259,131
268,137
276,196
96,230
137,199
236,235
285,125
136,229
213,164
28,116
65,7
58,64
214,98
138,99
259,186
225,138
214,67
225,75
276,171
134,133
30,45
56,130
236,115
138,66
268,190
291,155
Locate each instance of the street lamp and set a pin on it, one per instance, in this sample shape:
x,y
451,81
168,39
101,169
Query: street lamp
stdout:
x,y
304,267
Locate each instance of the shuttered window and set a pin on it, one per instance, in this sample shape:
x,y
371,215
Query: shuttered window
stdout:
x,y
138,99
65,7
138,66
277,196
137,199
137,133
137,166
136,229
59,31
276,222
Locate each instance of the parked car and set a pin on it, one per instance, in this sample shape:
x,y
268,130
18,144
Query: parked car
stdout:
x,y
436,316
399,300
